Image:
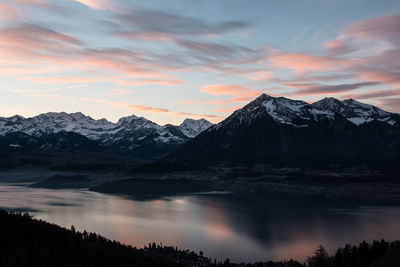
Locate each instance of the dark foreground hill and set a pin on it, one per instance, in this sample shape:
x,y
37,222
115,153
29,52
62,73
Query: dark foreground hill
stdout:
x,y
29,242
284,132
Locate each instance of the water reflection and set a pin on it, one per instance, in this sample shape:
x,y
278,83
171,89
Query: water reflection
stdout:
x,y
243,228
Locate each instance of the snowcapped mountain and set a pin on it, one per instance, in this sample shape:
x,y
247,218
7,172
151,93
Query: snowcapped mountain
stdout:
x,y
131,134
301,114
281,131
191,127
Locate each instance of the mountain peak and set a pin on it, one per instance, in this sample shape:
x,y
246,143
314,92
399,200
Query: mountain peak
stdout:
x,y
298,113
364,110
127,119
354,103
277,130
262,98
191,127
330,104
135,135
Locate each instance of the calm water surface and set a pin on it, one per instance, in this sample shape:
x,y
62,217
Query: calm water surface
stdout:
x,y
242,228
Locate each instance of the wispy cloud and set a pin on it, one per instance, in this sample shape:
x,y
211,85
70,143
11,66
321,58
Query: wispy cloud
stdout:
x,y
99,4
160,24
237,94
392,104
314,88
373,94
230,90
364,53
8,12
227,109
42,4
27,45
155,110
303,63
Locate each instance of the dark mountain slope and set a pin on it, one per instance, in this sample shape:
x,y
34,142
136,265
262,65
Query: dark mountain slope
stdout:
x,y
284,132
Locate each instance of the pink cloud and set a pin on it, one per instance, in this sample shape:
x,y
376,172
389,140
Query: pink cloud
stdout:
x,y
8,12
237,93
338,47
219,102
391,104
155,110
30,49
148,36
322,89
384,27
261,75
366,51
42,4
374,94
227,110
99,4
25,35
230,90
63,79
361,35
149,81
385,76
303,63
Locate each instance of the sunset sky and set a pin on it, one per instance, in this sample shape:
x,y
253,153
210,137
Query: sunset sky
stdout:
x,y
168,60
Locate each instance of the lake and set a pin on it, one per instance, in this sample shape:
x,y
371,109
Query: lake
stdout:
x,y
240,227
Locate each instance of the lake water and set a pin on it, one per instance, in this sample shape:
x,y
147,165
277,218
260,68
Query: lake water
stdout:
x,y
242,228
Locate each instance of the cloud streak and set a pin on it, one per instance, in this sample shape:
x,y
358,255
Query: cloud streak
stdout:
x,y
8,12
303,63
315,89
161,24
154,110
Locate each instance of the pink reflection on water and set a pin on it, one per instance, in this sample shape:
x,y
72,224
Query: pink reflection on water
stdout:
x,y
219,227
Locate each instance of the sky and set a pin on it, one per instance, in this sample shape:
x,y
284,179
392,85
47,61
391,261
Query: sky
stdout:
x,y
170,60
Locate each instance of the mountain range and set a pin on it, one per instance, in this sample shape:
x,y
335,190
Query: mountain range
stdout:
x,y
282,132
274,131
134,136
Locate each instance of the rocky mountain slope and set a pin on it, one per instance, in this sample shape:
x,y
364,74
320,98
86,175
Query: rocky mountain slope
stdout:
x,y
76,132
285,132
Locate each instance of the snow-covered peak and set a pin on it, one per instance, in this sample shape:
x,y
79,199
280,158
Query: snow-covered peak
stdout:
x,y
127,119
262,98
362,113
192,128
285,110
300,114
282,104
134,122
16,118
365,109
131,129
330,104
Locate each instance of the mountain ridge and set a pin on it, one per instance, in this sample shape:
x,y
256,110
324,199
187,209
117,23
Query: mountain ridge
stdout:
x,y
129,135
268,130
286,110
285,132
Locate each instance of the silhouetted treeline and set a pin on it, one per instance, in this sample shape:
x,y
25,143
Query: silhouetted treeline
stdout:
x,y
362,255
25,241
